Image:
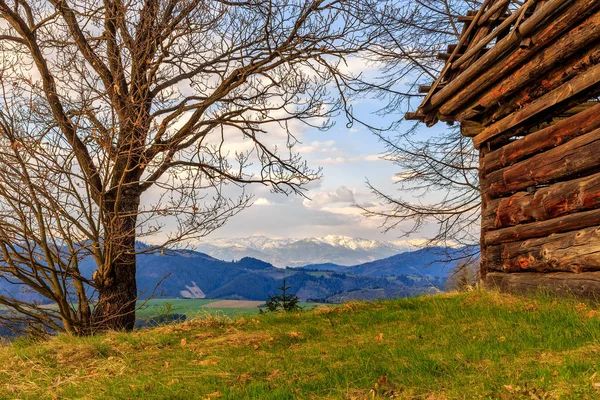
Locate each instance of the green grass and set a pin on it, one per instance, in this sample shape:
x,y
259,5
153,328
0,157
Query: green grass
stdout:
x,y
189,307
197,308
464,346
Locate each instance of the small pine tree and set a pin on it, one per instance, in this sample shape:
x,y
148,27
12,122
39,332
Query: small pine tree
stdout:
x,y
283,301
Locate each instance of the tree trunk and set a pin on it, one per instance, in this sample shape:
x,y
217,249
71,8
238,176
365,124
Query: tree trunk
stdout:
x,y
117,289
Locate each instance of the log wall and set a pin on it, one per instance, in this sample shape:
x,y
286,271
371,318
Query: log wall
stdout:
x,y
540,173
530,103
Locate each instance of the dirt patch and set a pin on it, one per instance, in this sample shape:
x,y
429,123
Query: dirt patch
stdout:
x,y
234,304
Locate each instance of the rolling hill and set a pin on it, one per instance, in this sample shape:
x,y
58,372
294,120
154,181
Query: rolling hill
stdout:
x,y
429,261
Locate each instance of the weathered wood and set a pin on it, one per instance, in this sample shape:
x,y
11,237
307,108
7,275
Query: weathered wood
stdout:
x,y
554,201
536,66
469,19
426,89
544,139
484,42
574,251
496,13
414,116
445,56
461,42
553,80
585,285
577,156
474,47
483,262
544,228
579,86
575,13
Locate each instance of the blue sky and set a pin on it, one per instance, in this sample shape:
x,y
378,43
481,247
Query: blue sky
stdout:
x,y
348,156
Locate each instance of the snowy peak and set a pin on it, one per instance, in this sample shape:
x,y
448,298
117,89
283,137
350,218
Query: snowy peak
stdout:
x,y
338,249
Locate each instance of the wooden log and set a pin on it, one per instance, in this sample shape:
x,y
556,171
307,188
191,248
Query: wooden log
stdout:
x,y
496,13
491,20
463,39
575,251
445,56
414,116
474,47
554,201
585,285
581,85
544,228
557,54
550,81
577,156
484,66
427,88
504,26
483,262
544,139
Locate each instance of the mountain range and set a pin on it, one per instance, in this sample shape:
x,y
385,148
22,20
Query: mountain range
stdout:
x,y
192,274
336,249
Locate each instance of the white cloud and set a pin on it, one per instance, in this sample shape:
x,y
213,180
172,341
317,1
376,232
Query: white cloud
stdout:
x,y
373,157
261,201
316,147
348,159
321,199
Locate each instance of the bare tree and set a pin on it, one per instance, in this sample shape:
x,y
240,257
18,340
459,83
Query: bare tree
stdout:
x,y
117,120
437,176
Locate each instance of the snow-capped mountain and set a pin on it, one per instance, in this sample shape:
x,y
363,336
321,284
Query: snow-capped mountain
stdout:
x,y
341,250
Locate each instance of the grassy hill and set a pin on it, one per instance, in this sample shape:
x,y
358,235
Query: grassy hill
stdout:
x,y
475,345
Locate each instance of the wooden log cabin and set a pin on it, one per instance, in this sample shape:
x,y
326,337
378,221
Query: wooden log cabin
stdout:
x,y
523,83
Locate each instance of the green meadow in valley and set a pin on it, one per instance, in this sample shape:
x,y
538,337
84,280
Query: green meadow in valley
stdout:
x,y
456,346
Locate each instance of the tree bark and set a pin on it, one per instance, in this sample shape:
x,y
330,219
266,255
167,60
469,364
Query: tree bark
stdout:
x,y
117,289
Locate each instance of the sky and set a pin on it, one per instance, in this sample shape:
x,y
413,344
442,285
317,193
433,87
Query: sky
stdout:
x,y
349,156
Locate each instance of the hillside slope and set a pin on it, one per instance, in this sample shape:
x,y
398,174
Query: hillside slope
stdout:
x,y
435,262
476,345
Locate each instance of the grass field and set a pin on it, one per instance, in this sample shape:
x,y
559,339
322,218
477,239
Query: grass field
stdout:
x,y
203,307
461,346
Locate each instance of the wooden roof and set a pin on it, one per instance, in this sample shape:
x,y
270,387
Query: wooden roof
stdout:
x,y
490,40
